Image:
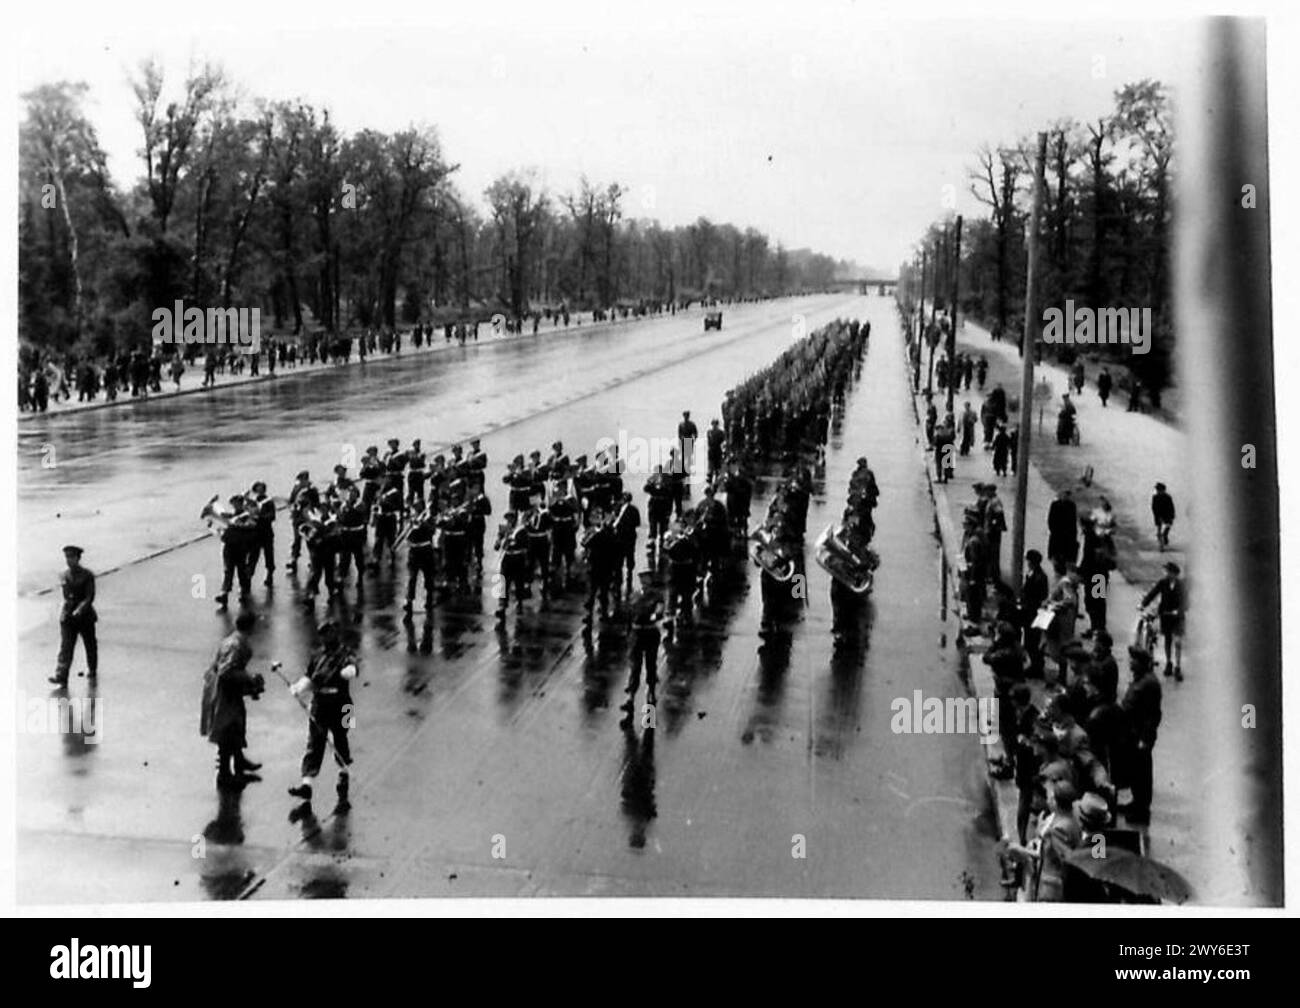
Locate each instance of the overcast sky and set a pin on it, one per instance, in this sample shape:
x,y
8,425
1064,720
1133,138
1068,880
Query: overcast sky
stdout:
x,y
815,122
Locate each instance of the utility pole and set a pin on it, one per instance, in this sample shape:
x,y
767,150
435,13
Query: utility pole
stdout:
x,y
952,329
920,325
934,310
1027,372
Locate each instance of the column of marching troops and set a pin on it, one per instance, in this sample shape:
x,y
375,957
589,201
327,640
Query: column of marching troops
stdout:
x,y
558,510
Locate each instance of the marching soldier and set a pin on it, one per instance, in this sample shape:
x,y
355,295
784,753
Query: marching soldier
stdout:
x,y
352,522
386,516
563,511
329,675
601,548
303,497
439,474
415,476
236,546
520,483
647,611
479,509
584,483
557,463
512,542
477,458
715,441
740,491
372,473
536,479
711,520
455,541
77,618
626,521
538,523
263,509
420,560
660,508
338,489
322,546
394,459
458,465
683,573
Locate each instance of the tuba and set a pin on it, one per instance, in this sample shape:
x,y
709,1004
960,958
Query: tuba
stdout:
x,y
216,513
310,523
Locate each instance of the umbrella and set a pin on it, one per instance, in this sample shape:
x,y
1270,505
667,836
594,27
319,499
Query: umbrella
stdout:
x,y
1133,873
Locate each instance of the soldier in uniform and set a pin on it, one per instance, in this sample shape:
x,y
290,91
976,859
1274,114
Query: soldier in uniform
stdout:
x,y
338,488
646,612
386,516
479,507
353,519
372,474
714,529
222,717
477,458
627,520
394,459
455,540
457,465
537,521
303,497
601,547
563,512
420,560
329,675
687,432
557,463
439,474
659,509
415,476
263,509
237,541
683,573
322,547
77,617
536,479
520,483
715,440
513,544
740,492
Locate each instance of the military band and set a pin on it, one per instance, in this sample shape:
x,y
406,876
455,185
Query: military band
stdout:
x,y
565,518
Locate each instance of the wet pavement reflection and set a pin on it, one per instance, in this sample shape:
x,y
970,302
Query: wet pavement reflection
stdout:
x,y
489,758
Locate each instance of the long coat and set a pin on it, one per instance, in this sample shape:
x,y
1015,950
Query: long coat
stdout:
x,y
227,681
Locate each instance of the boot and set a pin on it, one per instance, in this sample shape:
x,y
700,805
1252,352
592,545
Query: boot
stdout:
x,y
341,789
302,791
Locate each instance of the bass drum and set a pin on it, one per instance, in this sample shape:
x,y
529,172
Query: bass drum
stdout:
x,y
834,558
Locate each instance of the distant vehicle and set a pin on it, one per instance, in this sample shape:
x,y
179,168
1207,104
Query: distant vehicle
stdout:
x,y
712,320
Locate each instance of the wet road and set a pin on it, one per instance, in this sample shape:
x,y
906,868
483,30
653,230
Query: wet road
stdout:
x,y
490,762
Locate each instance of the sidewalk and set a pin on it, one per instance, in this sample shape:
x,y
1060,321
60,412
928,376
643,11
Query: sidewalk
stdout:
x,y
192,379
1127,452
1128,438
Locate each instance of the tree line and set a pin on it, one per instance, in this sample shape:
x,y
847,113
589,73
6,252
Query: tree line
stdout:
x,y
1106,234
268,204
